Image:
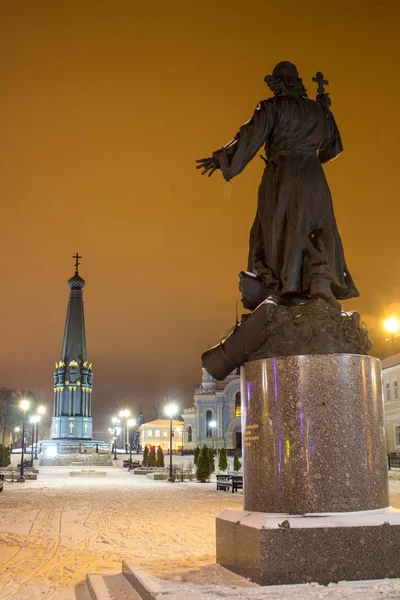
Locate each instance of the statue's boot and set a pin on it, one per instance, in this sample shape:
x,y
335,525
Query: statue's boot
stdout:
x,y
321,288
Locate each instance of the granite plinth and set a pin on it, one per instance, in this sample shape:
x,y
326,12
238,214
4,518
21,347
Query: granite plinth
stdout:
x,y
329,550
313,434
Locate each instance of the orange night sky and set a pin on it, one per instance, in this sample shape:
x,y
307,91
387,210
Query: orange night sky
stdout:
x,y
104,108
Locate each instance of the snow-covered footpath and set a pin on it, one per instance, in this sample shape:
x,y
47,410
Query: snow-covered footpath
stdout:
x,y
56,529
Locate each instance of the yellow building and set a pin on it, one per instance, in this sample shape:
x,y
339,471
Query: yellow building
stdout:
x,y
391,398
156,433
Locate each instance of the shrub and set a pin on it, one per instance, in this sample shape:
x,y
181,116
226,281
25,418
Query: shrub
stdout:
x,y
160,457
4,456
196,455
211,460
236,463
152,462
223,460
145,461
203,465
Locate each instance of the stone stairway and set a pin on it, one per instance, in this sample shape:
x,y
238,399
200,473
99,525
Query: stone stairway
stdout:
x,y
131,584
110,587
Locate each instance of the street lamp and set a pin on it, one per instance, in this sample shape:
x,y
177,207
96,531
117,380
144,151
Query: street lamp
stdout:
x,y
40,411
24,405
125,414
131,423
34,420
115,421
392,326
170,411
212,424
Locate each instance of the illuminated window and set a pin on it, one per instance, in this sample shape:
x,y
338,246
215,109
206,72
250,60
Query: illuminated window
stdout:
x,y
397,435
157,433
149,433
165,433
189,433
388,395
208,420
238,405
395,390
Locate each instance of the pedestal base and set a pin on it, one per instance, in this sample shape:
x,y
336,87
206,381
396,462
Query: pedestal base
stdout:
x,y
273,549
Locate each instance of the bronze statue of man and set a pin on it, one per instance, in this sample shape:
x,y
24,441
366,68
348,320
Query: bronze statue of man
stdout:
x,y
295,249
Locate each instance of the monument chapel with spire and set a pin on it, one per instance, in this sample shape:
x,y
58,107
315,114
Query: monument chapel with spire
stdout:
x,y
73,375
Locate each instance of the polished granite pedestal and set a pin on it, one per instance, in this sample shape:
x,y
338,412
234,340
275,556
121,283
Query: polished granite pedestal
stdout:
x,y
313,444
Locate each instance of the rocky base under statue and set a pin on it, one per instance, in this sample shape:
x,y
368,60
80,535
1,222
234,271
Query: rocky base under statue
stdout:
x,y
271,330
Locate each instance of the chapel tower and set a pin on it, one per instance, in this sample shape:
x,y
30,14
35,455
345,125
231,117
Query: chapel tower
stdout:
x,y
73,375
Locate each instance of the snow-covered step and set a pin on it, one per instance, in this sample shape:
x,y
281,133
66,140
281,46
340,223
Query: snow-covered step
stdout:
x,y
110,587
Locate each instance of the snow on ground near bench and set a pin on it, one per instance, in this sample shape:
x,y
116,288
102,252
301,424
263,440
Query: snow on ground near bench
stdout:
x,y
56,529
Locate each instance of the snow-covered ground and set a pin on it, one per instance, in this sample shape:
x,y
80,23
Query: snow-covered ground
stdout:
x,y
56,529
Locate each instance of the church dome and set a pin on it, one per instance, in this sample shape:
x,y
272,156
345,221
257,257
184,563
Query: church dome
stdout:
x,y
76,282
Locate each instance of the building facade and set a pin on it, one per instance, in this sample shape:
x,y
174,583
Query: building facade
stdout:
x,y
215,418
391,398
156,433
73,375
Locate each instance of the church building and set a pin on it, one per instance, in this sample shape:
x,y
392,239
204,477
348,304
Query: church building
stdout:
x,y
73,375
215,418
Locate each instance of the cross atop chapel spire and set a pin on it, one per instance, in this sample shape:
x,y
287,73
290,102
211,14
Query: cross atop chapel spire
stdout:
x,y
77,263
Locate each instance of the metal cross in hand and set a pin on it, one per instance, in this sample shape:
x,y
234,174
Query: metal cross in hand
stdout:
x,y
208,165
77,257
319,78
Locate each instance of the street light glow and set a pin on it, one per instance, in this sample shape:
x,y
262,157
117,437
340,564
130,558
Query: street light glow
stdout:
x,y
24,405
170,410
41,410
124,413
34,419
212,424
391,325
115,420
131,422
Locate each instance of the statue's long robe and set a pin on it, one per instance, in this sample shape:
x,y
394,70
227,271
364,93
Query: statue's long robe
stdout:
x,y
294,237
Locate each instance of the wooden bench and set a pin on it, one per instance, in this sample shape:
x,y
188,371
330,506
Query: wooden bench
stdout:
x,y
227,482
135,464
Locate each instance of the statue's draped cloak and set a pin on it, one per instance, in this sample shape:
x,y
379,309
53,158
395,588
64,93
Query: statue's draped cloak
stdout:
x,y
294,237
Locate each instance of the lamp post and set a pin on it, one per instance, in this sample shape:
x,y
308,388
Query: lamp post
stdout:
x,y
40,411
131,423
34,421
212,424
170,412
125,414
115,420
24,405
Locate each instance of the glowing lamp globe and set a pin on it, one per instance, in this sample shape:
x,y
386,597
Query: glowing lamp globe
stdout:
x,y
171,410
131,422
24,405
391,325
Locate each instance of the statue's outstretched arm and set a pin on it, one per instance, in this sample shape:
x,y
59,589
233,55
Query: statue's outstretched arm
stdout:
x,y
234,156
